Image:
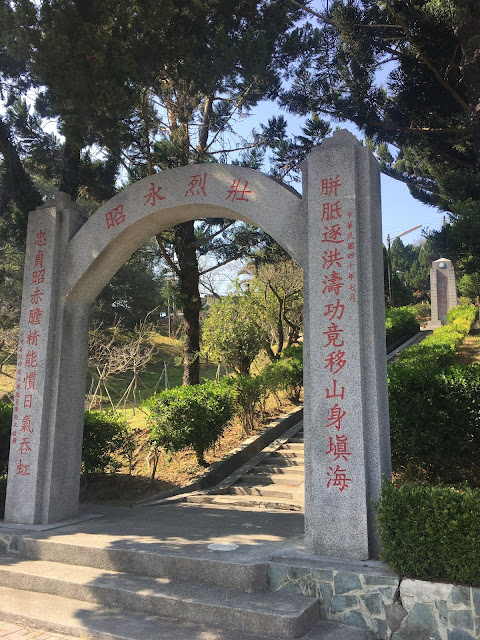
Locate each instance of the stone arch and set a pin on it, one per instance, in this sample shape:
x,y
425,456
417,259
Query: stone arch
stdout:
x,y
96,252
333,231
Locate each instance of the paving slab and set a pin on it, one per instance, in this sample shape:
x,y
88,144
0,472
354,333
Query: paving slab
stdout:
x,y
184,529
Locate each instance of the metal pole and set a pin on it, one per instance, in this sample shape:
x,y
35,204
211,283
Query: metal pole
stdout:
x,y
390,275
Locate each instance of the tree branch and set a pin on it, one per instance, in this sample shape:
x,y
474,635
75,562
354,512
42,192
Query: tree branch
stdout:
x,y
322,16
221,264
446,85
441,130
237,106
167,257
209,238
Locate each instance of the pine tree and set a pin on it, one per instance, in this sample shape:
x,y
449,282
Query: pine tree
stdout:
x,y
422,118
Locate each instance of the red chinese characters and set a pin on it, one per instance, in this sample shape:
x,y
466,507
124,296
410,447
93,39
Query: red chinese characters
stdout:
x,y
338,290
153,194
197,185
115,217
237,192
28,359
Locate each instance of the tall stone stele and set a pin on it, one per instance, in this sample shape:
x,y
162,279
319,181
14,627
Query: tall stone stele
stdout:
x,y
443,291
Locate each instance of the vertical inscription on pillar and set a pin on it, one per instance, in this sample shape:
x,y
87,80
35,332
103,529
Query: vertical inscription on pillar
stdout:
x,y
32,339
339,290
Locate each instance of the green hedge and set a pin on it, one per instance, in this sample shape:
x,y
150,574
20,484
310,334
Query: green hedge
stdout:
x,y
431,532
435,420
400,322
435,406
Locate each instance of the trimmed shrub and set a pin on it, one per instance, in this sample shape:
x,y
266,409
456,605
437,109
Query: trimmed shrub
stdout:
x,y
439,433
191,416
435,407
6,414
400,322
468,312
431,533
105,434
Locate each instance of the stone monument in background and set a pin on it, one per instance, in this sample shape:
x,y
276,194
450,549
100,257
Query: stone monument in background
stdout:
x,y
443,291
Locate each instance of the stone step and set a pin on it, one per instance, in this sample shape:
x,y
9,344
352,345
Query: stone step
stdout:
x,y
264,479
293,445
274,615
297,439
257,490
279,469
245,501
82,619
241,576
280,461
288,455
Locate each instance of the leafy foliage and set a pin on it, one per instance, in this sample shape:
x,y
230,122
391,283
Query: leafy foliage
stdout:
x,y
233,332
190,416
469,286
439,435
133,293
421,121
250,393
277,287
431,533
400,322
105,435
287,372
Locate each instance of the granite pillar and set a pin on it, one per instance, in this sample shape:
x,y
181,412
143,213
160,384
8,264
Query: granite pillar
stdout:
x,y
347,445
48,410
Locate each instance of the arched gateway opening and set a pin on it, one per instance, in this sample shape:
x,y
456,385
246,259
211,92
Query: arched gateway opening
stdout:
x,y
333,232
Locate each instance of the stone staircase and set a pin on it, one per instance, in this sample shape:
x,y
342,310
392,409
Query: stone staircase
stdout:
x,y
132,594
273,479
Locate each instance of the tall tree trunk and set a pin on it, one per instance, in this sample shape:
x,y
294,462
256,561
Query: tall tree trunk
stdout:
x,y
190,297
70,169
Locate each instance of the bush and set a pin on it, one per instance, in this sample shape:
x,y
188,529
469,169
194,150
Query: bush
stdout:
x,y
400,322
191,416
438,436
6,414
105,434
468,312
431,533
440,432
250,393
233,333
288,371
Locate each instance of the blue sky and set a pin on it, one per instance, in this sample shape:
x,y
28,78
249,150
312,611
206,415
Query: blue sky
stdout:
x,y
400,210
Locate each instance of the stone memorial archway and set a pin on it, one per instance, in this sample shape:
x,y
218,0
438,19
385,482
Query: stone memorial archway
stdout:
x,y
333,231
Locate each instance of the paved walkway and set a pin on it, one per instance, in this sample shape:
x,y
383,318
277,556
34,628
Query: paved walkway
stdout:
x,y
12,631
